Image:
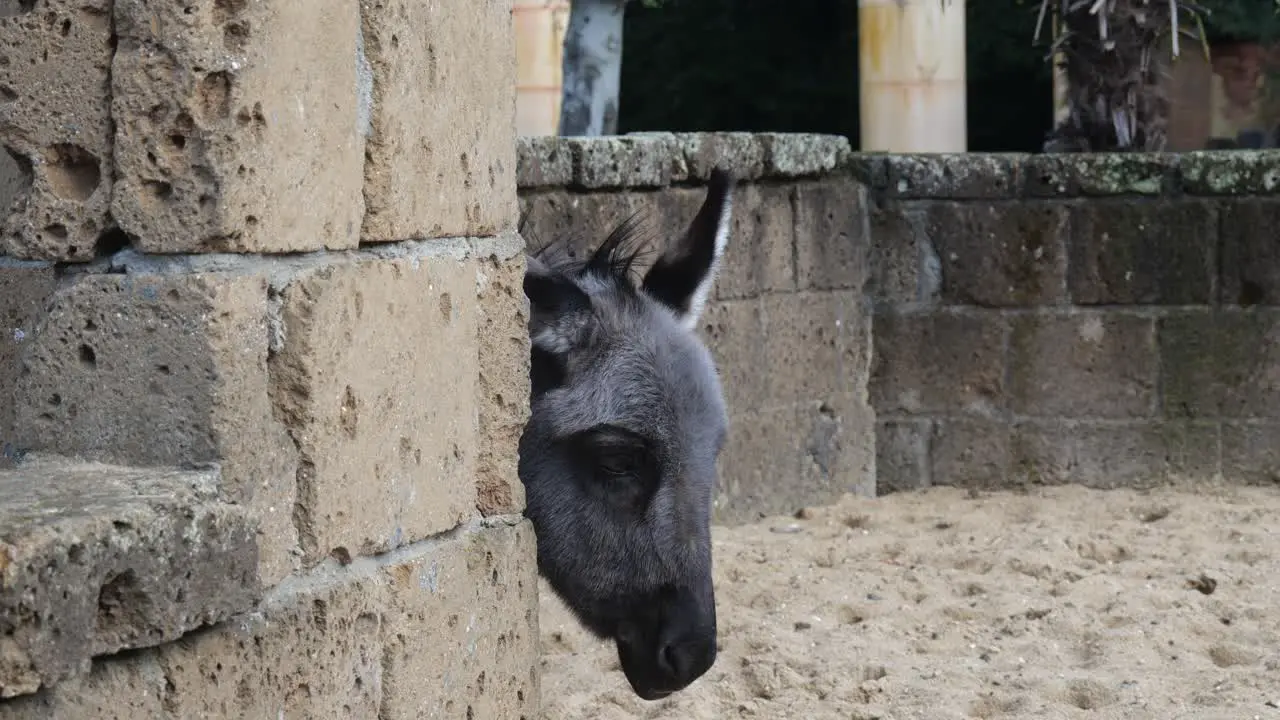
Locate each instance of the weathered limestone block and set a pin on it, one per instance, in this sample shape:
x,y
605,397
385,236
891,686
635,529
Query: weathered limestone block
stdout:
x,y
376,378
938,362
504,379
1113,455
240,126
95,559
1083,365
969,452
1250,262
999,254
55,128
761,255
1221,363
441,157
902,455
1154,253
24,290
819,347
832,231
426,631
475,596
164,369
734,332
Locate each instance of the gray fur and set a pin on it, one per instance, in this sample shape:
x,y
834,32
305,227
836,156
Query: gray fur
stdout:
x,y
619,455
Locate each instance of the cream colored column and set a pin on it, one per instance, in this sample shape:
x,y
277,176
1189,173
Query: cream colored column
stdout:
x,y
912,75
539,30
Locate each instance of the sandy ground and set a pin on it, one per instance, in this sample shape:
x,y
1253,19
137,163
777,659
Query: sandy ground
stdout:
x,y
1061,603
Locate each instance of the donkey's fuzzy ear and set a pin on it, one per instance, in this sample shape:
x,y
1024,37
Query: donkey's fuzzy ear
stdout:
x,y
558,308
683,276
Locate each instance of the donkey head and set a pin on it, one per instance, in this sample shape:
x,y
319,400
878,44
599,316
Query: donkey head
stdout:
x,y
619,455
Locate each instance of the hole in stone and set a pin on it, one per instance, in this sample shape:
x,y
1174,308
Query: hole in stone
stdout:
x,y
73,172
15,177
251,220
88,357
121,603
90,325
163,369
215,95
159,189
9,8
184,124
7,94
66,28
55,399
110,242
56,230
235,37
178,141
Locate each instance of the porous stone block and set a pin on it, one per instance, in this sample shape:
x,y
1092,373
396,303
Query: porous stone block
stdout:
x,y
239,126
760,256
376,378
543,161
902,455
759,467
1221,363
938,362
25,288
116,689
789,155
461,628
1150,253
1230,172
831,234
1250,263
441,154
954,176
1250,453
734,332
164,369
902,267
646,160
837,441
504,378
969,453
1098,174
95,559
56,129
1083,365
819,347
999,254
1131,454
742,153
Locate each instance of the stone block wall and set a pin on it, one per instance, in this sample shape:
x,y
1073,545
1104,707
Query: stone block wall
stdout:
x,y
1109,320
263,362
788,323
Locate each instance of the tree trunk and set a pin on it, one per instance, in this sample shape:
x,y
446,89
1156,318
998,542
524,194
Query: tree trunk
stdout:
x,y
592,68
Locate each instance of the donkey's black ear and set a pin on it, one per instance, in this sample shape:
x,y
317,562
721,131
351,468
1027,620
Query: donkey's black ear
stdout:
x,y
682,277
558,308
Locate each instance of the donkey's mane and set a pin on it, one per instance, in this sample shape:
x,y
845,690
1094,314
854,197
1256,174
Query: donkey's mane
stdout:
x,y
615,260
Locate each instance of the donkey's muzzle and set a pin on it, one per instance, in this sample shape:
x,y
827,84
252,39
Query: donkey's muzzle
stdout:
x,y
669,644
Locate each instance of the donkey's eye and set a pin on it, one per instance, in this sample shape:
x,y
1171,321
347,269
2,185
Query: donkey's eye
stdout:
x,y
618,462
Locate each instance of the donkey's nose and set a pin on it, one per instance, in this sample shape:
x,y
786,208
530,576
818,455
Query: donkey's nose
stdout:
x,y
684,658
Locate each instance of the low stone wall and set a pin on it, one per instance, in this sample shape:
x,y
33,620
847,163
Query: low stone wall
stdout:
x,y
888,322
788,324
263,362
1107,320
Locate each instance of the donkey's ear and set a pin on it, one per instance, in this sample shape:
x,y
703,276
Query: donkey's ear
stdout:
x,y
682,277
558,308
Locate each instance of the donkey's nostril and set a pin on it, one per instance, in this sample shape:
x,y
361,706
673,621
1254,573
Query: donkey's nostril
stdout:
x,y
672,661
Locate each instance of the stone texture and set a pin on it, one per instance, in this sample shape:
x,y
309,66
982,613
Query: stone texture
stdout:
x,y
1114,455
831,234
1223,363
819,346
838,444
740,152
1250,264
1250,453
734,332
759,467
504,380
237,125
1150,253
791,155
25,288
377,381
1083,365
164,370
955,176
543,161
441,155
760,257
96,559
999,254
56,129
624,161
970,453
902,455
477,599
938,362
903,268
1231,172
1098,174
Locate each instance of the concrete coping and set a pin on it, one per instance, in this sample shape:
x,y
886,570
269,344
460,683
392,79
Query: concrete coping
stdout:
x,y
659,159
95,559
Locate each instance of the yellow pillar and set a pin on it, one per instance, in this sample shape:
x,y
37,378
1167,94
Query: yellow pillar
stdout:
x,y
539,30
912,75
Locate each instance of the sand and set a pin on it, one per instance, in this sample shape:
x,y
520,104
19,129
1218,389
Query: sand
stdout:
x,y
1055,603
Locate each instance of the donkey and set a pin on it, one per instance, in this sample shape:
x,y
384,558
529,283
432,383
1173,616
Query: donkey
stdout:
x,y
618,457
